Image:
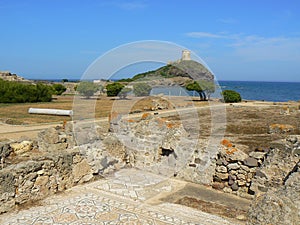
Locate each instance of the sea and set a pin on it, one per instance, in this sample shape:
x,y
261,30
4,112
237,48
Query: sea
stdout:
x,y
249,90
264,91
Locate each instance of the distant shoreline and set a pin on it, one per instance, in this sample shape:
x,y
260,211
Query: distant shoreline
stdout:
x,y
78,80
269,91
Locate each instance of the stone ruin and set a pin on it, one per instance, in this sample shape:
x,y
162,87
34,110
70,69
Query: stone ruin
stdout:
x,y
61,158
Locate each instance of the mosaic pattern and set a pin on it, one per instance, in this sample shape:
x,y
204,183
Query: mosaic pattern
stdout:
x,y
135,184
89,204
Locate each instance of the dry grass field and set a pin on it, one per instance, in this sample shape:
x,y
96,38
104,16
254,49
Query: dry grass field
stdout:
x,y
17,114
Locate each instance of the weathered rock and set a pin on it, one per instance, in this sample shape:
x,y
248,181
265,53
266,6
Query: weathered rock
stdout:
x,y
241,182
259,173
222,176
276,167
233,166
234,155
232,177
80,170
240,171
50,140
278,207
234,186
22,147
257,155
218,185
245,168
5,151
241,177
251,162
221,169
231,182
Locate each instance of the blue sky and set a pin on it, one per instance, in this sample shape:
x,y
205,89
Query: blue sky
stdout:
x,y
239,40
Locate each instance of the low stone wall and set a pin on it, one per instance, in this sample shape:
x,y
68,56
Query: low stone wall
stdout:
x,y
253,174
235,169
41,175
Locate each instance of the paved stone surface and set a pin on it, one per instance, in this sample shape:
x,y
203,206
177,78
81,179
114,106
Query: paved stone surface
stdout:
x,y
122,198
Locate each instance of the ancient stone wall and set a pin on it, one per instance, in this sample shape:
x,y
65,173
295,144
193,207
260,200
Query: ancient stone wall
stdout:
x,y
28,174
278,206
60,158
253,174
235,169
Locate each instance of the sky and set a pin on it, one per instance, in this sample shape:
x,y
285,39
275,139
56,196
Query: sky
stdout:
x,y
255,40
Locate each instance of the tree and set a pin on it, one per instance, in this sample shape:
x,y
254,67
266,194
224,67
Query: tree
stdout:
x,y
231,96
124,92
44,93
58,89
142,89
208,87
15,92
87,88
196,87
65,80
114,89
204,88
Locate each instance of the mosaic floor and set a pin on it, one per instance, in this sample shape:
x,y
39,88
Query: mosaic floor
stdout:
x,y
119,199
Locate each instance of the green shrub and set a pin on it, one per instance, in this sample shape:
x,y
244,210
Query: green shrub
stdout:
x,y
114,89
15,92
58,89
87,88
142,89
231,96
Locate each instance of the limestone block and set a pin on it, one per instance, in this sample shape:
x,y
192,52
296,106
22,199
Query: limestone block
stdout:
x,y
80,170
20,148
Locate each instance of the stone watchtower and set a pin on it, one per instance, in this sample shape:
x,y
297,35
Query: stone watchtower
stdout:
x,y
186,55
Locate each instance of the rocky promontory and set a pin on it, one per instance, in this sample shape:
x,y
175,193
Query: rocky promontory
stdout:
x,y
6,75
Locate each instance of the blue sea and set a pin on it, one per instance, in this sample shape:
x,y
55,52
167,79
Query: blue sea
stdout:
x,y
265,91
249,90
